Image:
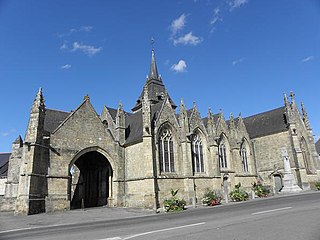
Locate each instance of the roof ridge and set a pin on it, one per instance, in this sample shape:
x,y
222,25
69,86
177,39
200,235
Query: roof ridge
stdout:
x,y
56,110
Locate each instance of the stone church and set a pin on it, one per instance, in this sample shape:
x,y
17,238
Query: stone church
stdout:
x,y
77,159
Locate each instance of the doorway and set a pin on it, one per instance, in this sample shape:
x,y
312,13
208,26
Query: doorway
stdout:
x,y
277,182
91,179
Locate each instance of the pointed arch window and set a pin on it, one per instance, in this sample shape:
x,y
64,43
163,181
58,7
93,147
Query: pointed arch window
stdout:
x,y
166,154
222,155
197,154
244,159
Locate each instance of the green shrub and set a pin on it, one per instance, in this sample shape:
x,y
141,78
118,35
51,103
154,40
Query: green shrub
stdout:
x,y
260,190
211,198
239,194
174,204
317,184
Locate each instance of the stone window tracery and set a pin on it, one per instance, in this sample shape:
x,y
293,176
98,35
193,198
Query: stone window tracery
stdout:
x,y
166,151
197,154
244,159
222,155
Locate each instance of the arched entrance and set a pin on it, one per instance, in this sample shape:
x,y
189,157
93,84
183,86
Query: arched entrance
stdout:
x,y
91,181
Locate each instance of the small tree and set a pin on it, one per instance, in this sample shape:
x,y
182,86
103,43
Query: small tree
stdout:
x,y
239,194
174,204
317,184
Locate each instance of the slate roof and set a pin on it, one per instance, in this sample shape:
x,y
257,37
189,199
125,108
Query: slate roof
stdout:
x,y
134,128
318,146
53,119
113,112
266,123
4,163
262,124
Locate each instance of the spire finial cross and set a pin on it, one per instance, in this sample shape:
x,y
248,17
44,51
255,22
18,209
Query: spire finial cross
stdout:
x,y
152,43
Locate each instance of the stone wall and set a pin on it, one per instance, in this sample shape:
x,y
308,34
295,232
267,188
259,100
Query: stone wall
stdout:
x,y
7,204
140,193
267,151
134,161
2,185
166,184
203,184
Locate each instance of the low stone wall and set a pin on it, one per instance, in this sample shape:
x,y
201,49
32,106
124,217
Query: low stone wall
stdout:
x,y
7,204
2,185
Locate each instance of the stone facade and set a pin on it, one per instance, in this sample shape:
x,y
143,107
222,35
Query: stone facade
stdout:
x,y
81,159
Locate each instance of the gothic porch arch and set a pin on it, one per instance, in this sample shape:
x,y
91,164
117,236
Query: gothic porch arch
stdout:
x,y
91,174
99,150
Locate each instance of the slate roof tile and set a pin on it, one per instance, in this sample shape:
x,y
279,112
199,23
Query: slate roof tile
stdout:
x,y
53,119
266,123
4,163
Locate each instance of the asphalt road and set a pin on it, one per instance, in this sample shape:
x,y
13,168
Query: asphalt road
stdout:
x,y
288,218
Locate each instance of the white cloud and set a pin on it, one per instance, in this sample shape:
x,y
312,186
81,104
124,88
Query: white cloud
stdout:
x,y
181,66
74,30
64,46
178,24
307,59
235,62
237,4
66,66
188,39
85,29
216,18
86,49
5,134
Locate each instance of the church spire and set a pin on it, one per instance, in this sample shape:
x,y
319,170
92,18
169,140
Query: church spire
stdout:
x,y
156,89
153,74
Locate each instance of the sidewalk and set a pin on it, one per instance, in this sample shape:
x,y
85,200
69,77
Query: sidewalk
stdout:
x,y
10,222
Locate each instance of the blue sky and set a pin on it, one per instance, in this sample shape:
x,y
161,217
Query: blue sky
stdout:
x,y
237,55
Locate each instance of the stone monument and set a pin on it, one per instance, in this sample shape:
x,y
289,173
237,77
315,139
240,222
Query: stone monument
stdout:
x,y
289,182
